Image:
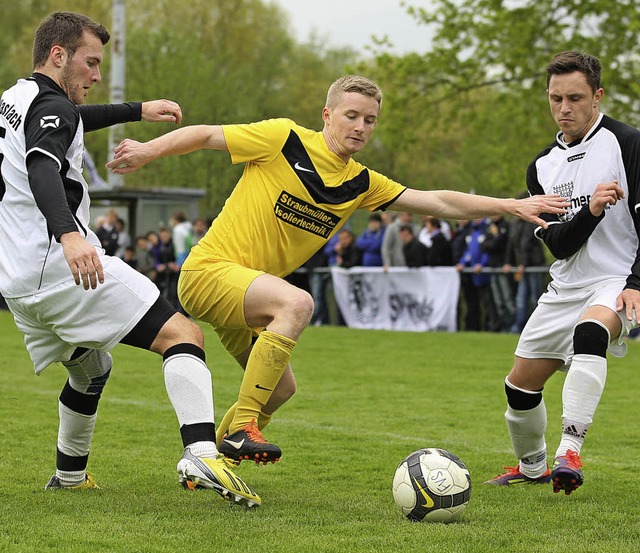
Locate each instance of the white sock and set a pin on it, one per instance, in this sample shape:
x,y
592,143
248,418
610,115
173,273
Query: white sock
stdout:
x,y
188,383
75,431
526,429
581,395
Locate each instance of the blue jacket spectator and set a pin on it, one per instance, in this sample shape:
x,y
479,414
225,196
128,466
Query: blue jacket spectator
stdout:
x,y
370,242
473,255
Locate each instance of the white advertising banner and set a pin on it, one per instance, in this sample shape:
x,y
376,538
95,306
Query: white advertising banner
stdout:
x,y
400,298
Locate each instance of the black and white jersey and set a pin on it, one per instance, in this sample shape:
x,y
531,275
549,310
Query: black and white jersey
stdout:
x,y
37,120
590,248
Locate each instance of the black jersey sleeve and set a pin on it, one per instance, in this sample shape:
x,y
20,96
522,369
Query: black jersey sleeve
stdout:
x,y
563,238
50,126
48,191
566,238
99,116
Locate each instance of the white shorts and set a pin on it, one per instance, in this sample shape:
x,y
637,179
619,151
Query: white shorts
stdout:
x,y
549,332
56,321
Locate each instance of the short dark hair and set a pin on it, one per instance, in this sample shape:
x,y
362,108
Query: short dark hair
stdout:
x,y
571,61
406,228
64,29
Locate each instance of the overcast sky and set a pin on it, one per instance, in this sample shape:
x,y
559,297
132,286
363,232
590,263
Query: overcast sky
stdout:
x,y
352,22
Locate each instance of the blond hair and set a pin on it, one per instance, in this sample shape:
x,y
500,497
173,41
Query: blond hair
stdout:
x,y
353,83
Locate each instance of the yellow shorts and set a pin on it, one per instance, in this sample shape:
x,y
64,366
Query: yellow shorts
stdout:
x,y
216,295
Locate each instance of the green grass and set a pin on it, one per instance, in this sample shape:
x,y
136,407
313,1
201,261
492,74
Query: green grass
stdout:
x,y
366,399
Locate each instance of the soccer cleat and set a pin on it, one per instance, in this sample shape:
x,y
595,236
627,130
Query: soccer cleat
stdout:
x,y
215,474
566,474
88,484
513,476
249,443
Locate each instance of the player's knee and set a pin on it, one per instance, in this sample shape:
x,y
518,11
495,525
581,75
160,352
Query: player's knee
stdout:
x,y
178,330
590,338
521,399
88,373
301,307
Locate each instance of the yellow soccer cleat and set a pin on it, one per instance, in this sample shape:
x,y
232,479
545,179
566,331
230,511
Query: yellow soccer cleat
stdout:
x,y
88,484
215,474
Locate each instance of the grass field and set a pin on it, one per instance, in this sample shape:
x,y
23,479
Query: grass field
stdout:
x,y
366,399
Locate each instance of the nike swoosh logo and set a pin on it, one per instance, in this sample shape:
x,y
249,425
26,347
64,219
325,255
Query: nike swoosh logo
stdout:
x,y
428,501
263,388
237,445
299,167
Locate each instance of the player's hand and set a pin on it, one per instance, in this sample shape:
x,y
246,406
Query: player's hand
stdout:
x,y
129,156
629,301
162,111
605,194
530,208
83,260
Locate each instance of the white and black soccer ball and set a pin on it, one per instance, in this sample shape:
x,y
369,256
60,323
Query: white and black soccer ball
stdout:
x,y
432,485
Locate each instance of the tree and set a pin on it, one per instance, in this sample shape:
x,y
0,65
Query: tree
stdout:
x,y
480,90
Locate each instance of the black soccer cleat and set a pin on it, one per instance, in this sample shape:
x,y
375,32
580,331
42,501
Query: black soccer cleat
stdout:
x,y
248,443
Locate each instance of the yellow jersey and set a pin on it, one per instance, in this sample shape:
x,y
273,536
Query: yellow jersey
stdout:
x,y
294,194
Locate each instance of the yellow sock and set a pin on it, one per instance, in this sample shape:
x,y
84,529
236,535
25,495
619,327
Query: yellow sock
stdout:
x,y
267,361
223,427
263,420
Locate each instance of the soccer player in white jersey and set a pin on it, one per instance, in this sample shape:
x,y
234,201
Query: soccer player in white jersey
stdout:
x,y
298,188
594,294
72,302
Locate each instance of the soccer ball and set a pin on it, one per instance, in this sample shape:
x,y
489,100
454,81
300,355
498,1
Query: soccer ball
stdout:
x,y
432,485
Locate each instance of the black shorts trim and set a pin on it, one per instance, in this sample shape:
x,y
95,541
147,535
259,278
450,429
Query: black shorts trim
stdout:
x,y
144,333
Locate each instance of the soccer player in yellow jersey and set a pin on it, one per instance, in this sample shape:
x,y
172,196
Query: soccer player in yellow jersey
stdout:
x,y
298,187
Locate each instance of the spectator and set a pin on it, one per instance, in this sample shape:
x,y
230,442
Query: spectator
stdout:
x,y
166,267
440,251
370,242
502,289
107,233
145,262
129,257
525,250
123,238
415,253
392,255
476,291
348,254
318,285
200,228
332,261
182,236
425,232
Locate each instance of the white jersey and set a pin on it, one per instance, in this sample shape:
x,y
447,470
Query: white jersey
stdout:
x,y
609,152
36,116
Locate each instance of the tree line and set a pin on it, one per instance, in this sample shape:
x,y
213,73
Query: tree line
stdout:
x,y
468,114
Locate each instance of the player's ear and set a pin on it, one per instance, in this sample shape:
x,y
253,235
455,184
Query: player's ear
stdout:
x,y
58,55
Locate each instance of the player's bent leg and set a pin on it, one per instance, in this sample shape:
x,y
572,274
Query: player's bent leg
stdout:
x,y
581,395
190,391
526,420
285,311
88,371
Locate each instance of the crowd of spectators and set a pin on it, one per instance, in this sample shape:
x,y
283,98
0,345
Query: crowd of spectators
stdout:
x,y
497,300
491,255
157,254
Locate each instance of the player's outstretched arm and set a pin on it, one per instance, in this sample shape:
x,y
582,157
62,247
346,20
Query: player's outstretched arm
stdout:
x,y
130,155
448,204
